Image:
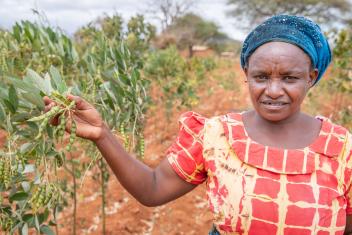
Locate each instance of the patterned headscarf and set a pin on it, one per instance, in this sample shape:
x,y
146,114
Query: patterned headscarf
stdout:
x,y
296,30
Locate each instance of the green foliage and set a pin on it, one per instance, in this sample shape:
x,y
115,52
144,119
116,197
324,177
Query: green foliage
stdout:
x,y
255,11
165,64
32,46
342,62
341,80
169,69
137,37
200,66
38,61
192,29
178,77
139,34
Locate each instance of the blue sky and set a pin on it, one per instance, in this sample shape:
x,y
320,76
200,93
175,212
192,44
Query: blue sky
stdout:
x,y
71,14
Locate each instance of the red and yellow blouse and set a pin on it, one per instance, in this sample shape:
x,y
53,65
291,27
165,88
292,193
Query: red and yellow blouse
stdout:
x,y
257,189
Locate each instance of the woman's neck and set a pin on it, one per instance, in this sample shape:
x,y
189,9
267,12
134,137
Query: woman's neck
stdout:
x,y
297,119
297,131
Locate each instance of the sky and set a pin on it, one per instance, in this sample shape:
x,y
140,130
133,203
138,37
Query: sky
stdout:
x,y
69,15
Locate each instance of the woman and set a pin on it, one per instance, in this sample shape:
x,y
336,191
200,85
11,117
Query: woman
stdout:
x,y
270,170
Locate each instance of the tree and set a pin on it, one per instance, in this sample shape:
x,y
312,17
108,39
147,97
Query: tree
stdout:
x,y
167,11
137,35
324,12
111,26
192,29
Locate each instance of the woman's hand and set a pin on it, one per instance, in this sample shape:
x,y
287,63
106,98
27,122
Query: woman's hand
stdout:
x,y
88,120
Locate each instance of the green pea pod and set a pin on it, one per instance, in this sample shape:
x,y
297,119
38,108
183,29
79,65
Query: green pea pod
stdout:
x,y
72,136
54,111
38,118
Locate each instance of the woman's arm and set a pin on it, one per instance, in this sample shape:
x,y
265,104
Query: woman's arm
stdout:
x,y
151,187
348,229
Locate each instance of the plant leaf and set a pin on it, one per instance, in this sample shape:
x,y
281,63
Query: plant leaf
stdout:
x,y
60,84
19,196
22,84
2,113
46,230
34,78
9,106
13,98
35,99
25,229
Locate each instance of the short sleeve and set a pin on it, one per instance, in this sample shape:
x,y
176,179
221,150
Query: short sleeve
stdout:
x,y
186,154
348,174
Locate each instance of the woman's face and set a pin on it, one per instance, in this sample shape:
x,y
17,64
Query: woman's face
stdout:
x,y
279,76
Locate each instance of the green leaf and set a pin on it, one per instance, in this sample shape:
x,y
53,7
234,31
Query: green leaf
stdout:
x,y
29,219
9,106
19,196
35,99
17,32
46,230
24,148
2,113
20,117
60,85
35,79
25,229
42,217
13,98
3,93
22,84
36,44
26,186
29,168
47,84
36,222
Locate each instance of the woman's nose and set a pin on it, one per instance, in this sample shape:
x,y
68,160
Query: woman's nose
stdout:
x,y
274,89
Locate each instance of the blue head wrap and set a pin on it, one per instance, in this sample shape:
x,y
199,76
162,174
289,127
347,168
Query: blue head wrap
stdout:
x,y
296,30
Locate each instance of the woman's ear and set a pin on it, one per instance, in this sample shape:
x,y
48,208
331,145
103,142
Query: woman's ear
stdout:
x,y
313,75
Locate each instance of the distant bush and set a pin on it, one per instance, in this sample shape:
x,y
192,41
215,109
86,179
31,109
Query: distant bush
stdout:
x,y
178,77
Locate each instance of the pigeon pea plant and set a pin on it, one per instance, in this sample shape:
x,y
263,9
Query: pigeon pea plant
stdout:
x,y
39,61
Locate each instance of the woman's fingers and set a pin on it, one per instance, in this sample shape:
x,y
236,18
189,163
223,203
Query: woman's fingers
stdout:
x,y
81,104
49,106
47,100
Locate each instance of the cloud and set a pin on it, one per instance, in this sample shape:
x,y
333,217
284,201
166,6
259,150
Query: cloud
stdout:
x,y
72,14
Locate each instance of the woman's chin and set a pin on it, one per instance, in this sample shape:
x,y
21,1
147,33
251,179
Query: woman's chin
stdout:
x,y
273,116
274,113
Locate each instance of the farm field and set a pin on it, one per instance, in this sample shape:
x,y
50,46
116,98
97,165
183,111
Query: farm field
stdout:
x,y
52,182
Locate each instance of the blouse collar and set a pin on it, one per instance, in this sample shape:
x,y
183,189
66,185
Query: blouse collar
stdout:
x,y
329,143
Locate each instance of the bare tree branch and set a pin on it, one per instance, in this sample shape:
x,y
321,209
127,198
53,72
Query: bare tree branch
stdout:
x,y
167,11
323,11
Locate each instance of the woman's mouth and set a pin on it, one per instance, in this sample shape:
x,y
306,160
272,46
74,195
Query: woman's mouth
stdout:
x,y
274,105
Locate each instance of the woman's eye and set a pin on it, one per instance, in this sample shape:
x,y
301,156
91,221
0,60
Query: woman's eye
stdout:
x,y
290,78
261,77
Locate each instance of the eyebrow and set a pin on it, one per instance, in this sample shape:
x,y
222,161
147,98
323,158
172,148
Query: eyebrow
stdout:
x,y
259,71
287,72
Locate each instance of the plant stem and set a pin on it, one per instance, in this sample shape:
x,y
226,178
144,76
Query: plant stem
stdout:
x,y
72,172
103,196
56,229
